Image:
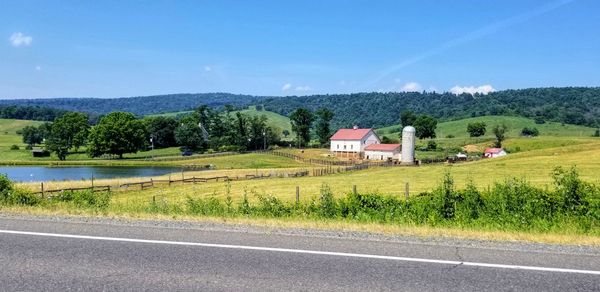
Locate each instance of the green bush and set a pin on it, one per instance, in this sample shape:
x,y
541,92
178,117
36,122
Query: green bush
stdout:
x,y
209,206
272,206
85,198
9,195
14,147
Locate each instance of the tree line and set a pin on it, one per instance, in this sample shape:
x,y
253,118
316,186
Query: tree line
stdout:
x,y
570,105
118,133
36,113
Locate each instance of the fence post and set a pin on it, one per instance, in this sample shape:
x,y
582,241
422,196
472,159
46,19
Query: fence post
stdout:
x,y
169,180
406,191
42,184
354,189
297,194
182,182
152,182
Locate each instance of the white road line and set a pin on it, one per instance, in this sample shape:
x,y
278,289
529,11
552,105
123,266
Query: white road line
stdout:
x,y
302,251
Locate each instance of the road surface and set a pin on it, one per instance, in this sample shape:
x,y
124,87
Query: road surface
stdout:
x,y
64,254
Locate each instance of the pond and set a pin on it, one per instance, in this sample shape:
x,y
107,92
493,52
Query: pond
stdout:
x,y
45,173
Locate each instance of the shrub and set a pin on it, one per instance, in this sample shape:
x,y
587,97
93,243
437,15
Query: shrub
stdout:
x,y
539,120
476,129
210,206
470,203
531,132
6,185
431,145
85,198
14,147
327,203
271,206
22,197
571,190
11,196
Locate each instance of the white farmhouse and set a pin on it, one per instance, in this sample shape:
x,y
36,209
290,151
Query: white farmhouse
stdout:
x,y
382,152
494,152
352,142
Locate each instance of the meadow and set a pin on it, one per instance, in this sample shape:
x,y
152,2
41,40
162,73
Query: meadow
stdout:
x,y
531,161
458,128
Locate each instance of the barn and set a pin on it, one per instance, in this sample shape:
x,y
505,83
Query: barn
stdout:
x,y
352,142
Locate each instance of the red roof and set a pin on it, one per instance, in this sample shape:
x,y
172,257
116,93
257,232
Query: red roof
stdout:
x,y
350,134
382,147
493,150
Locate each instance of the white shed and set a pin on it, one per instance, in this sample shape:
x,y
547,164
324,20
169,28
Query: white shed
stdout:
x,y
383,152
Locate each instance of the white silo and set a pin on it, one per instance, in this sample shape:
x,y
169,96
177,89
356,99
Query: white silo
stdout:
x,y
408,145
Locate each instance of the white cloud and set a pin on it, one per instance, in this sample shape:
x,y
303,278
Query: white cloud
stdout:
x,y
207,68
483,89
18,39
38,68
303,88
411,87
286,87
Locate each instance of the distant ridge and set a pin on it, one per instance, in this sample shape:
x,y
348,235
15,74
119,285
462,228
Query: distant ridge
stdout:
x,y
139,105
571,105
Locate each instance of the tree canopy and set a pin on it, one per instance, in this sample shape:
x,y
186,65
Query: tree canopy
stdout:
x,y
117,133
425,126
476,129
301,120
324,117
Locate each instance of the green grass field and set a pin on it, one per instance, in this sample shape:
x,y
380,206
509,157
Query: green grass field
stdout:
x,y
273,119
9,137
171,114
458,128
535,166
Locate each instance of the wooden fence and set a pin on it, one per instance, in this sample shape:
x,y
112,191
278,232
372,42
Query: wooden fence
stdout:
x,y
169,182
306,160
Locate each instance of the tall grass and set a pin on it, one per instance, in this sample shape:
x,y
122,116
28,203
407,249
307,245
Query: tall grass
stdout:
x,y
512,205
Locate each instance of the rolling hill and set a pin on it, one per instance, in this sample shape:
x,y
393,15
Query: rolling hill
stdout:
x,y
458,128
273,119
141,105
570,105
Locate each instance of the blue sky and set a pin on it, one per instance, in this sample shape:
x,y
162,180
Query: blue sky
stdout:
x,y
132,48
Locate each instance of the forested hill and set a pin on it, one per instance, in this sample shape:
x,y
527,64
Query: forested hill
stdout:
x,y
572,105
142,105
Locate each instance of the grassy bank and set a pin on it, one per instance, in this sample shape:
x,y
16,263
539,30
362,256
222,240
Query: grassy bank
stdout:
x,y
567,212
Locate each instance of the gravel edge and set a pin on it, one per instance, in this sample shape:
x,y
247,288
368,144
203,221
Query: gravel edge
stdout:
x,y
307,232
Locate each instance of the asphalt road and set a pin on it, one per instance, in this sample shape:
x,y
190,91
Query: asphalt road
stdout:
x,y
42,255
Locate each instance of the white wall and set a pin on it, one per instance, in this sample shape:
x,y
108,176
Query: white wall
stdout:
x,y
370,139
381,155
354,145
350,146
